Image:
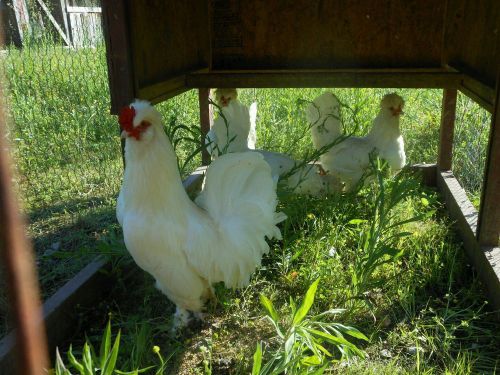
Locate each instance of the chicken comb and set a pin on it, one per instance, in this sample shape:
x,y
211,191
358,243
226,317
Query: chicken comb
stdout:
x,y
126,118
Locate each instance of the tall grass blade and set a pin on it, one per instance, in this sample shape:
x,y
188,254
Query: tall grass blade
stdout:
x,y
306,304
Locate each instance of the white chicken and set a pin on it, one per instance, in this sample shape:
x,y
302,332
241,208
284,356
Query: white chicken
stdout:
x,y
230,131
349,159
185,246
245,132
228,134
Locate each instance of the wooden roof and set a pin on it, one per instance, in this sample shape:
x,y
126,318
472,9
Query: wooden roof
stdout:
x,y
159,50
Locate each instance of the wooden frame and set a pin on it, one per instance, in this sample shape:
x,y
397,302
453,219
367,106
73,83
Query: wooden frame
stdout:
x,y
247,48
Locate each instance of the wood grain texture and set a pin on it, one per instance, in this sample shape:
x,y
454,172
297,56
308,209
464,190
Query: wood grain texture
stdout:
x,y
205,121
427,172
472,38
168,39
323,34
448,110
415,78
118,53
486,259
489,214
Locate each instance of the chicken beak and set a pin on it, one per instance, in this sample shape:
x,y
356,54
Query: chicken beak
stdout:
x,y
123,134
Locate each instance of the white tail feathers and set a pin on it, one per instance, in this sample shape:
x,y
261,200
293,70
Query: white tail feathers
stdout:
x,y
240,197
252,135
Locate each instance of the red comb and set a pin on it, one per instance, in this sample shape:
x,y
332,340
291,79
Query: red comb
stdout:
x,y
126,118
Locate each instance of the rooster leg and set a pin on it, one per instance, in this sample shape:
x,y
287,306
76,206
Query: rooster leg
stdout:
x,y
181,319
199,315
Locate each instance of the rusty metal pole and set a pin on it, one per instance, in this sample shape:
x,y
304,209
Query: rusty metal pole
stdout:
x,y
17,255
205,121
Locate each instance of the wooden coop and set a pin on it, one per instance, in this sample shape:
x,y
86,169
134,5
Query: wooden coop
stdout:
x,y
159,49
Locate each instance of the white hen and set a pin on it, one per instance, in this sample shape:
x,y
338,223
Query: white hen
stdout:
x,y
324,115
231,131
349,159
229,135
188,246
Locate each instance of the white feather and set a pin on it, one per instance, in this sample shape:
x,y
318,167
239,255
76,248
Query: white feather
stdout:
x,y
188,246
349,159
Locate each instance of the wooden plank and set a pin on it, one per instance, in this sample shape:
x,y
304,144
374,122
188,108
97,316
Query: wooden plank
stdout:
x,y
428,173
169,39
61,16
163,90
400,78
472,38
22,19
489,214
120,69
73,9
486,259
54,22
448,111
479,92
20,272
205,121
326,34
87,287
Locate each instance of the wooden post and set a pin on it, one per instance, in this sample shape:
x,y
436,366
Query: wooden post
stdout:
x,y
445,153
119,61
17,255
120,68
489,212
205,121
22,19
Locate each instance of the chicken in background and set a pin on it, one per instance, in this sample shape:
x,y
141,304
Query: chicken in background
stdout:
x,y
231,138
227,100
187,246
230,131
223,96
349,159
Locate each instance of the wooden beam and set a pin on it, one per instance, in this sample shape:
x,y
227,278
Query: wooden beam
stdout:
x,y
72,9
427,172
54,23
205,121
84,289
120,68
478,91
22,19
16,254
448,110
63,16
398,78
489,213
163,90
486,259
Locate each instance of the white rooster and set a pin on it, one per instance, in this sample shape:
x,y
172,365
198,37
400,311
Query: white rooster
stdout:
x,y
188,246
349,159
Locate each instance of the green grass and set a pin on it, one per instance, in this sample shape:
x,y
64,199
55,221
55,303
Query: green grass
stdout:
x,y
423,312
